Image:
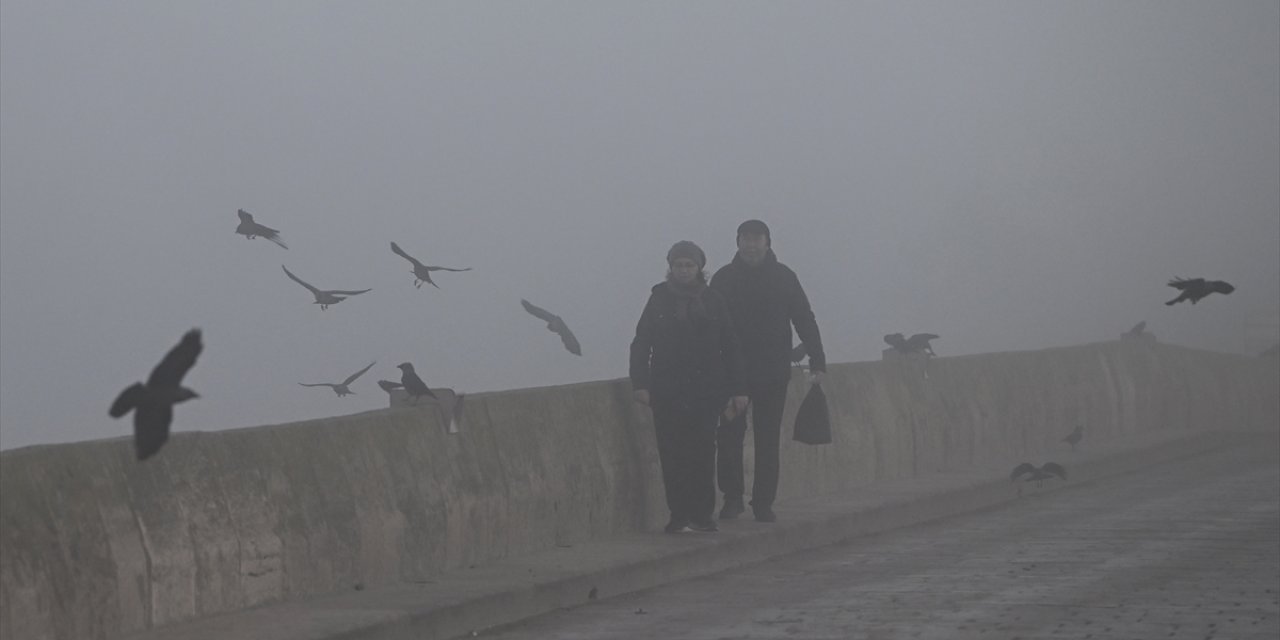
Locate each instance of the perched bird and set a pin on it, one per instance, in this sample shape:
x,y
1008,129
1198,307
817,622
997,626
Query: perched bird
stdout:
x,y
421,272
389,386
250,229
1137,329
324,298
152,403
1037,475
1197,288
555,325
341,388
412,383
918,343
455,419
798,353
1074,437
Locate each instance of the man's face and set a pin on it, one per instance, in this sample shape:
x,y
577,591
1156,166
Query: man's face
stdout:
x,y
684,270
752,247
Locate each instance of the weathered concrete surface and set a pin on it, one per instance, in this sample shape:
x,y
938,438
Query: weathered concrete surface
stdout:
x,y
94,545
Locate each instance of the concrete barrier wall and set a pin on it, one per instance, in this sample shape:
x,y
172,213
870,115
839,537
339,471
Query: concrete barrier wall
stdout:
x,y
96,545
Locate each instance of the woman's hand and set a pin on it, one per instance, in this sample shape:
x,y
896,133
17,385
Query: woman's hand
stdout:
x,y
641,396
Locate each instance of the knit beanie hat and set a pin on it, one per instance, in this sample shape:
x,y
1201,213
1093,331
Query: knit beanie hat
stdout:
x,y
755,226
687,249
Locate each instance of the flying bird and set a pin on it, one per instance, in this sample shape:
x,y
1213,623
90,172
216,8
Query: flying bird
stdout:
x,y
152,403
1074,437
1137,329
1197,288
250,229
421,272
918,343
798,353
1037,474
555,325
341,388
324,298
412,383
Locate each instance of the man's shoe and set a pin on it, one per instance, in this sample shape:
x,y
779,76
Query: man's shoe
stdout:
x,y
676,525
732,508
707,526
764,514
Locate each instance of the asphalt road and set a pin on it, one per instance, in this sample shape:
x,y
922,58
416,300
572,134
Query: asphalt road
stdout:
x,y
1189,549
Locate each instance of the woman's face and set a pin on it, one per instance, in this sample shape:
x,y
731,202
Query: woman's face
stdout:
x,y
684,270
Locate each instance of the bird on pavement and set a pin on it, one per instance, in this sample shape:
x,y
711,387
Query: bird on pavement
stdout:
x,y
152,403
341,388
421,272
1074,437
250,229
1197,288
412,384
555,325
324,298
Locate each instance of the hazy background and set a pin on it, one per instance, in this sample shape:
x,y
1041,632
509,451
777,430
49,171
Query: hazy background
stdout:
x,y
1010,175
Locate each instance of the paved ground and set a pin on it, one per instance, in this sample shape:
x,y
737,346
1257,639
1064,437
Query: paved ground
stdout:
x,y
1189,549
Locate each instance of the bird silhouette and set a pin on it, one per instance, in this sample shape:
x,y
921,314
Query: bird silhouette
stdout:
x,y
421,272
341,388
1074,437
1137,329
250,229
1197,288
1037,474
324,298
389,386
918,343
152,403
412,384
555,325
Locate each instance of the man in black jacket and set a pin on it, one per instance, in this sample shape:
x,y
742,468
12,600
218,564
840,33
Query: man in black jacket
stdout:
x,y
765,299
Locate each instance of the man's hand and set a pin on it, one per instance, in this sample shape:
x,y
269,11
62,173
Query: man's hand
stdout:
x,y
641,396
815,377
736,406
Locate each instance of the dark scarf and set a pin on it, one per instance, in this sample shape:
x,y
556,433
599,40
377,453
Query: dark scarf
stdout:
x,y
689,302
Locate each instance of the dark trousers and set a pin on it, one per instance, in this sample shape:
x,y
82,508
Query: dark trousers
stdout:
x,y
767,401
686,432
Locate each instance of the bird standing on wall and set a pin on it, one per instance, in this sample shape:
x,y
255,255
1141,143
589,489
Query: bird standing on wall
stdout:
x,y
412,384
1197,288
250,229
324,298
421,272
1075,437
341,388
152,403
555,325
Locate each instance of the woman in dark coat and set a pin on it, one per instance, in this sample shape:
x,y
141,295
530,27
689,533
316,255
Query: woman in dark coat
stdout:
x,y
687,366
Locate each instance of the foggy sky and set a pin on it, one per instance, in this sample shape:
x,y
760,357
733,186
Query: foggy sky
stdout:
x,y
1009,175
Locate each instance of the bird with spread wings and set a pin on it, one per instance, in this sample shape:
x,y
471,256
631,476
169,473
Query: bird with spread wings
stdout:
x,y
341,388
421,272
556,325
324,298
152,403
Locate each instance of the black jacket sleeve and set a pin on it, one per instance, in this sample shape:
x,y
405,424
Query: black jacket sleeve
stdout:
x,y
731,350
806,325
642,347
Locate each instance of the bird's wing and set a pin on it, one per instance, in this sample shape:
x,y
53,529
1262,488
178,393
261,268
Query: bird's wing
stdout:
x,y
177,362
924,336
274,236
539,312
299,280
1182,284
244,216
388,385
319,384
128,399
1021,470
352,378
151,428
567,337
395,248
435,268
338,292
1055,469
